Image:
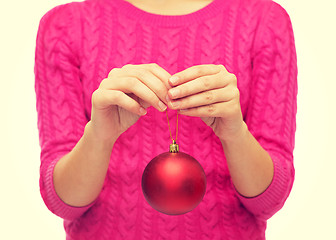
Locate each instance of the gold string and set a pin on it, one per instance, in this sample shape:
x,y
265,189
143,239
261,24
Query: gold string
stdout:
x,y
170,128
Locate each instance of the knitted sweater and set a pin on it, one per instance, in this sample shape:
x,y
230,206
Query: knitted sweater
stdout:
x,y
79,43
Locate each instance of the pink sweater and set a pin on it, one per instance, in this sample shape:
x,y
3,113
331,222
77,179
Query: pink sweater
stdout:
x,y
79,43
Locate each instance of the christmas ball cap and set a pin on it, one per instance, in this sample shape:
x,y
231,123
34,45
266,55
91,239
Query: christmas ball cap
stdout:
x,y
174,148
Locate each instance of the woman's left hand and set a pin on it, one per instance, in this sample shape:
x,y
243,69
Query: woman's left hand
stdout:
x,y
209,92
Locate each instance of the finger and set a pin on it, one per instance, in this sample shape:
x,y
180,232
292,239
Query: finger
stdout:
x,y
205,98
153,82
222,109
103,98
138,88
198,85
143,103
194,72
203,111
160,72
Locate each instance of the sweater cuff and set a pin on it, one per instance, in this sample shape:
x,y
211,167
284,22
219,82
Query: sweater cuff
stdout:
x,y
273,198
54,202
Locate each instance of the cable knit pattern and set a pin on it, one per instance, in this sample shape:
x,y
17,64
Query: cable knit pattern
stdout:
x,y
79,43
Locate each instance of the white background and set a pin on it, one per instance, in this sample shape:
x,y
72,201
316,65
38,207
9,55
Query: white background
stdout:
x,y
310,210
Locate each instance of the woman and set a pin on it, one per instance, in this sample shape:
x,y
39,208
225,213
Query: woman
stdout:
x,y
106,72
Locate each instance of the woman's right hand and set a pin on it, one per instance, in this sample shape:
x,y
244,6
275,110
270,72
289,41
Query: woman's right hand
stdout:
x,y
124,96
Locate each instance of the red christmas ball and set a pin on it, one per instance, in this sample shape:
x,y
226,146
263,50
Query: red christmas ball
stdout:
x,y
173,183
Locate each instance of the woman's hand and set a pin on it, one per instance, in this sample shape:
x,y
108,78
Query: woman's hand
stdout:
x,y
209,92
124,96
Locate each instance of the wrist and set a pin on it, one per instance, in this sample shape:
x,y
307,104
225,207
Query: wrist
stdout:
x,y
238,136
104,143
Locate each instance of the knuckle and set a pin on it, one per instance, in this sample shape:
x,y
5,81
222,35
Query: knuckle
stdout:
x,y
142,73
96,97
206,82
233,78
221,66
211,109
236,92
199,70
153,65
103,83
127,66
209,96
116,96
130,82
214,68
113,72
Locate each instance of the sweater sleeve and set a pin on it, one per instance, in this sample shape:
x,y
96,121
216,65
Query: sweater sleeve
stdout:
x,y
59,100
271,115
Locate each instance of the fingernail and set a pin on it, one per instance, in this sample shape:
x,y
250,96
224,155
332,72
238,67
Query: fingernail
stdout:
x,y
142,111
174,92
162,106
168,99
175,104
173,80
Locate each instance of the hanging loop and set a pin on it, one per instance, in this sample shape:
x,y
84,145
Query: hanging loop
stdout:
x,y
174,148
